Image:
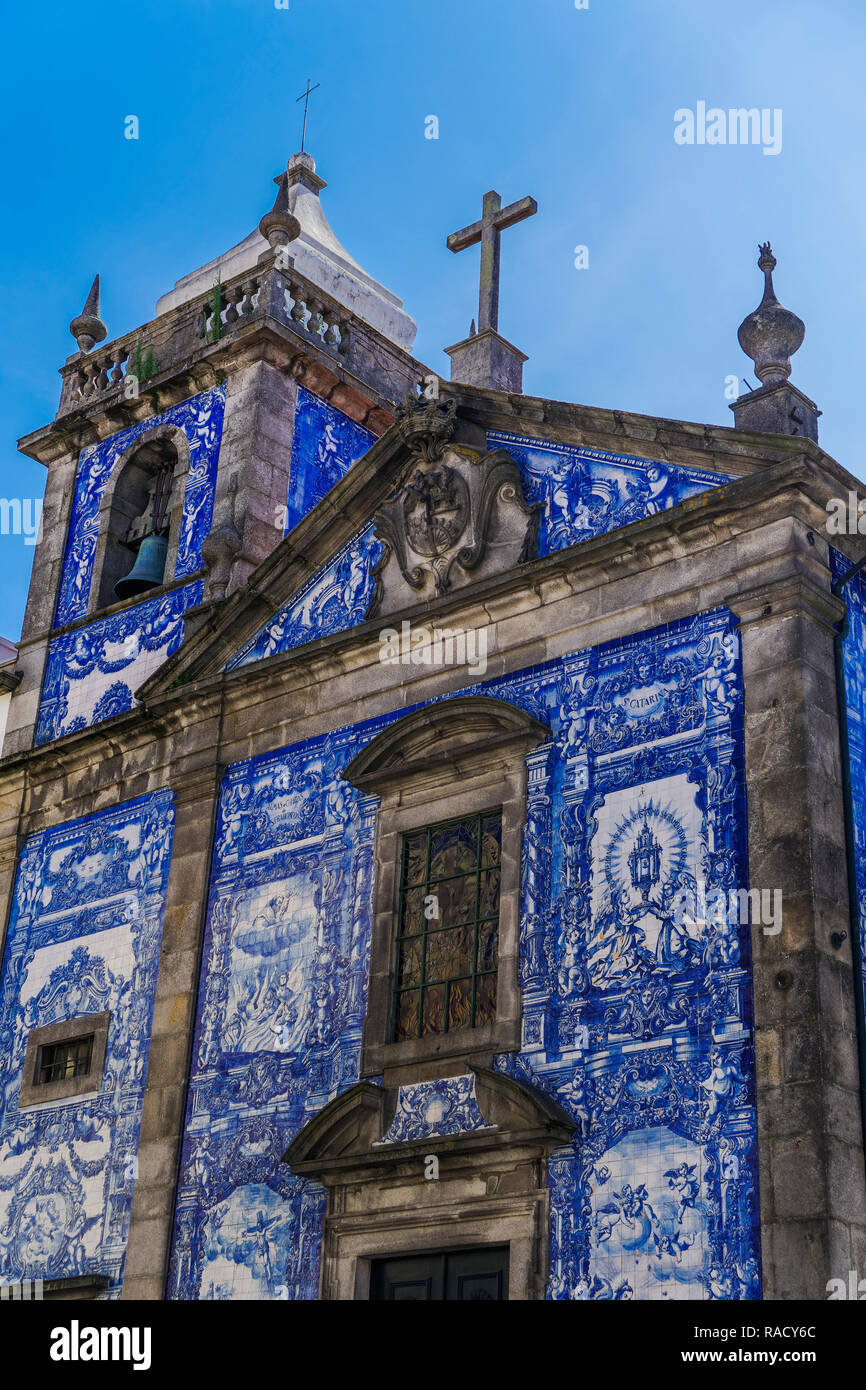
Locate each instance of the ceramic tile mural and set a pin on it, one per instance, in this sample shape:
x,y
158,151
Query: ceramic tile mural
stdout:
x,y
446,1106
83,938
92,672
854,663
324,446
636,1014
334,599
583,491
201,420
586,492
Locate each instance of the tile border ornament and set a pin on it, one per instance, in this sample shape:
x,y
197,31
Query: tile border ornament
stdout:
x,y
119,646
433,1109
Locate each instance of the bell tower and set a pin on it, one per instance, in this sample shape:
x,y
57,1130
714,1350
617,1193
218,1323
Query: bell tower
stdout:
x,y
183,451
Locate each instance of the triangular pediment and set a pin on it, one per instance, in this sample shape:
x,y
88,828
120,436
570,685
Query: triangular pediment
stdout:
x,y
442,500
322,576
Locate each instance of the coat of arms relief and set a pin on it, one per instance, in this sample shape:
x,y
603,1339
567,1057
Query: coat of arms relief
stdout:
x,y
456,515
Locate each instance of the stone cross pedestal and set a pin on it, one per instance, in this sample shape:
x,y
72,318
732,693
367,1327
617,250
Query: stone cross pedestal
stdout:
x,y
485,358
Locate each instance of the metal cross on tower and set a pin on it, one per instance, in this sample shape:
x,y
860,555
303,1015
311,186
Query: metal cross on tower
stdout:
x,y
305,98
494,219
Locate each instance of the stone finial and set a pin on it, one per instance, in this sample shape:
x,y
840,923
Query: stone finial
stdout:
x,y
88,329
279,226
770,334
222,545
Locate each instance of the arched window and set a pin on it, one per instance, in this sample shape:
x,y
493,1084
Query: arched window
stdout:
x,y
139,522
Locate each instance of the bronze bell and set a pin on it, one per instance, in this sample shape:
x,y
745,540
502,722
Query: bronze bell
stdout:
x,y
148,569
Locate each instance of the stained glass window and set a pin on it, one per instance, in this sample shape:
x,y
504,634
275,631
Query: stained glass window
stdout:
x,y
448,937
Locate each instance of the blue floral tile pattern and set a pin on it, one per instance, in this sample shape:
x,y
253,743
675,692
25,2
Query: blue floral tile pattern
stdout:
x,y
585,492
854,665
638,1021
91,673
83,939
201,419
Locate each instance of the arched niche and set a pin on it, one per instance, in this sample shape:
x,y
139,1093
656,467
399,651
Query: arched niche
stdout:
x,y
125,498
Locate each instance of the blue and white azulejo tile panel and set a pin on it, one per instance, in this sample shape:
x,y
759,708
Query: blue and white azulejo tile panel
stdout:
x,y
636,997
325,444
583,492
433,1109
854,666
83,939
92,672
201,420
334,599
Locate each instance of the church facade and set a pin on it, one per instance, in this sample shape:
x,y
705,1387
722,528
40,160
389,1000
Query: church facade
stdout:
x,y
433,817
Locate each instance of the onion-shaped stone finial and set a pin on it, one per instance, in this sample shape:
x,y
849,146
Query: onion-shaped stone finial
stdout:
x,y
88,329
770,334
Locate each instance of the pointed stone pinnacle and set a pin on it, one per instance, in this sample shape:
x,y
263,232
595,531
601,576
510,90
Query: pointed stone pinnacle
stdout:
x,y
278,226
87,328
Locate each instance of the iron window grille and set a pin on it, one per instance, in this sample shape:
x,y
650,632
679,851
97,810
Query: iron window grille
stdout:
x,y
448,929
59,1061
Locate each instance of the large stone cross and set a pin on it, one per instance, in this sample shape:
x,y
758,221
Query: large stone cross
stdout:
x,y
494,219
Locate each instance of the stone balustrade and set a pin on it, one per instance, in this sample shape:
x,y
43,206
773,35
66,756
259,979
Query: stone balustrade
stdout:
x,y
237,301
189,330
317,317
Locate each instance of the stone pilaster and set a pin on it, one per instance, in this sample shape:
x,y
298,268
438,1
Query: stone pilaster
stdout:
x,y
813,1193
171,1039
41,599
257,448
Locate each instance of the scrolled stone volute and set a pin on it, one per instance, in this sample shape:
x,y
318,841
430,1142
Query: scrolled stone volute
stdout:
x,y
221,546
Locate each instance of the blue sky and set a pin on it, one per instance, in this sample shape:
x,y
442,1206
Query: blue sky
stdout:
x,y
575,107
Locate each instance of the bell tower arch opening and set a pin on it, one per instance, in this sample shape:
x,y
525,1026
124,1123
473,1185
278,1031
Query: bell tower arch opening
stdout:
x,y
140,522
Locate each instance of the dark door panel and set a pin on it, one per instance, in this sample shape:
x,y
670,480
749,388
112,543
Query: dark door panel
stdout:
x,y
461,1276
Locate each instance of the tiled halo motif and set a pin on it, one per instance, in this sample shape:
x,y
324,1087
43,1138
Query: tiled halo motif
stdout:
x,y
325,444
91,673
657,1195
83,938
201,419
432,1109
583,493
